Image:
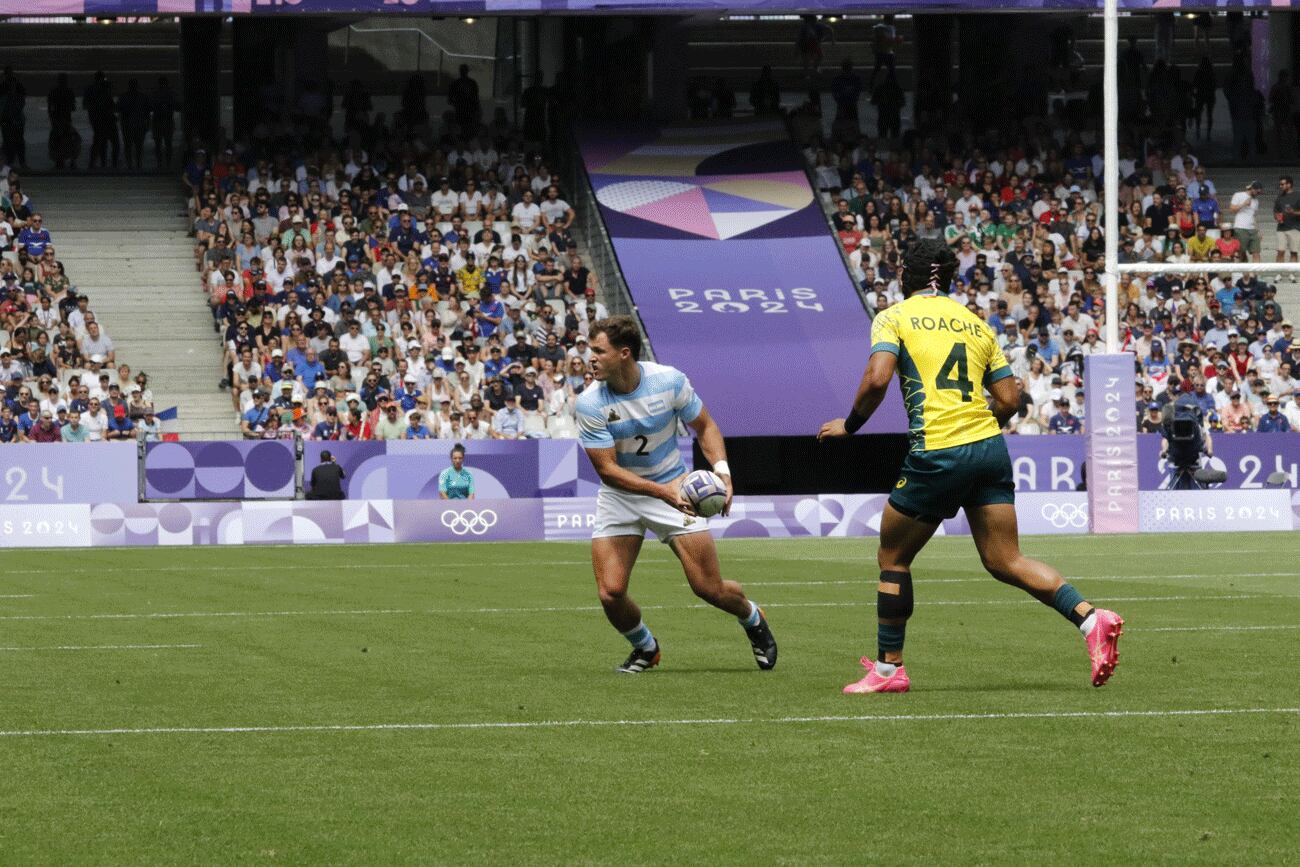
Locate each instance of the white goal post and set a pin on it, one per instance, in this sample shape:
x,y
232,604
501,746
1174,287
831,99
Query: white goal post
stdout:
x,y
1110,194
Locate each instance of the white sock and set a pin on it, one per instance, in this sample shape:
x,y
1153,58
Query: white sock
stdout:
x,y
1088,623
751,619
886,669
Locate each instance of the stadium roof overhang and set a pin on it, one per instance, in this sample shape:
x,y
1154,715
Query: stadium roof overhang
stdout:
x,y
111,8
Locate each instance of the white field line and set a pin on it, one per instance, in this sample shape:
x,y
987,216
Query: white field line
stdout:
x,y
18,596
1217,628
618,723
866,555
167,615
535,564
103,647
987,579
364,612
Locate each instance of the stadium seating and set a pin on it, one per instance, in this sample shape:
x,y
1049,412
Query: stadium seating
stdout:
x,y
384,239
59,359
1021,220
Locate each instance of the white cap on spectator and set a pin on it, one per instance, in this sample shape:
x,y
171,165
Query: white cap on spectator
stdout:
x,y
403,207
448,353
352,395
297,218
438,374
1056,395
134,389
277,352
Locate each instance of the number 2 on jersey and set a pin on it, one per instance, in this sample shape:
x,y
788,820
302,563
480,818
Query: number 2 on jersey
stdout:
x,y
956,361
644,441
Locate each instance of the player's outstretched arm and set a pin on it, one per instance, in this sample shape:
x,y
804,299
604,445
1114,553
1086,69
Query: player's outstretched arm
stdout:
x,y
605,462
871,391
709,436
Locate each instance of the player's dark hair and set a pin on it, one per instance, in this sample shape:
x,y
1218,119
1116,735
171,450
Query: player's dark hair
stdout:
x,y
458,448
622,333
930,264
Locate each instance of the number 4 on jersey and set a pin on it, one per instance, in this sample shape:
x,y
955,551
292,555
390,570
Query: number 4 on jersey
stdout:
x,y
956,360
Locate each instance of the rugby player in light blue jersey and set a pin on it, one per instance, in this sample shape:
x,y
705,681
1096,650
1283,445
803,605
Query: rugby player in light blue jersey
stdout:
x,y
628,422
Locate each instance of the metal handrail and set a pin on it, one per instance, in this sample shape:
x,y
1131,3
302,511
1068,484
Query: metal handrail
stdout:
x,y
355,29
594,237
822,205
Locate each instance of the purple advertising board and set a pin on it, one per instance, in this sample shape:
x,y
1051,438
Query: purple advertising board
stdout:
x,y
341,522
534,7
44,473
1247,458
1054,463
734,272
1216,511
219,470
408,470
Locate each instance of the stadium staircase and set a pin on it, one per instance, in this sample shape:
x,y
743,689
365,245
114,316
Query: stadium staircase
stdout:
x,y
124,243
1231,180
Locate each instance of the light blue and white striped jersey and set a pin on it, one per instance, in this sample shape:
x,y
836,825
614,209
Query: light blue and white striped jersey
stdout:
x,y
641,426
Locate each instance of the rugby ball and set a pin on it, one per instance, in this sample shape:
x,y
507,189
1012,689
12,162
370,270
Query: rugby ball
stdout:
x,y
706,492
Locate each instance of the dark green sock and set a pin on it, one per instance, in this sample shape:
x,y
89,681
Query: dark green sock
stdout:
x,y
1066,600
889,638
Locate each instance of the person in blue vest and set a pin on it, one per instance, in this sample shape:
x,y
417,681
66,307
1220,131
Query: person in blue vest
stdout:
x,y
455,482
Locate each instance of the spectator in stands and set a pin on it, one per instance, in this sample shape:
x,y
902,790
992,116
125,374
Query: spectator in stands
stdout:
x,y
100,106
765,94
255,418
1245,210
1286,211
45,430
74,431
13,120
463,96
391,425
133,106
1272,421
508,422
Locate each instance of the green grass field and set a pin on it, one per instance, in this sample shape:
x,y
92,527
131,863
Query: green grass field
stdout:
x,y
455,704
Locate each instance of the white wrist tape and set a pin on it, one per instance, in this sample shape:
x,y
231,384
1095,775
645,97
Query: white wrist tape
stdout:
x,y
721,468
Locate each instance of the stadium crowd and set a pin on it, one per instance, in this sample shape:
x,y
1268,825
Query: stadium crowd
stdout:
x,y
1025,221
62,377
1020,206
416,282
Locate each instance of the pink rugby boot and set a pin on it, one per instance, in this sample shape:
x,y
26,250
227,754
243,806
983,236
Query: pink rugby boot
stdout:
x,y
872,682
1103,645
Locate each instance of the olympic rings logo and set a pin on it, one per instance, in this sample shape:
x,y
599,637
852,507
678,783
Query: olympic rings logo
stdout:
x,y
1067,515
469,522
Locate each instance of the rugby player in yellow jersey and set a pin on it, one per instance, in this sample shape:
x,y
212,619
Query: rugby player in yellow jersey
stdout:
x,y
946,357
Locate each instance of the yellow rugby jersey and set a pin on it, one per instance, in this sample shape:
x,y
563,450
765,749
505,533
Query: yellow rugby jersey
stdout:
x,y
947,356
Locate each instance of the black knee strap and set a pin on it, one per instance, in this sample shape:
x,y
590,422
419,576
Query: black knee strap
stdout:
x,y
891,606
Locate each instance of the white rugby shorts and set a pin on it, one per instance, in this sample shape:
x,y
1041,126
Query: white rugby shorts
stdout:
x,y
619,513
